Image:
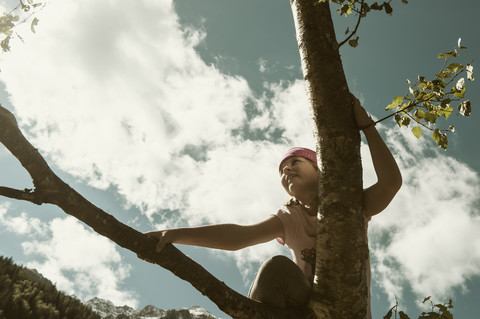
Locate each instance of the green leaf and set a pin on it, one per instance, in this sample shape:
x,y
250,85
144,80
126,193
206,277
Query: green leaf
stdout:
x,y
402,120
395,103
444,74
399,119
418,95
6,22
465,108
431,116
438,85
422,85
447,54
389,313
376,6
442,140
455,66
446,111
346,9
34,24
353,42
417,131
388,8
5,44
419,114
429,97
365,9
403,315
445,102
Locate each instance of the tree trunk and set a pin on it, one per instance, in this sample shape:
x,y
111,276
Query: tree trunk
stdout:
x,y
340,289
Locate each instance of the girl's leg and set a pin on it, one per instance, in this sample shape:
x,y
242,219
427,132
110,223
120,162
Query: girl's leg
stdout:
x,y
280,283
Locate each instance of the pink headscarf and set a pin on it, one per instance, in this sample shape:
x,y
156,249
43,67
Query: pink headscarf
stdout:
x,y
301,152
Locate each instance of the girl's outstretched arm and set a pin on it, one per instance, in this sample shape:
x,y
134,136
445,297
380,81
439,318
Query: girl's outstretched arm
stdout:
x,y
221,236
378,196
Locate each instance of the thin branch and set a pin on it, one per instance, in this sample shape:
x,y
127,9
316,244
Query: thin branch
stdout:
x,y
395,113
425,126
27,194
356,26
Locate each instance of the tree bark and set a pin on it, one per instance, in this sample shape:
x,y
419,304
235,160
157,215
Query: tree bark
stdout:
x,y
50,189
340,289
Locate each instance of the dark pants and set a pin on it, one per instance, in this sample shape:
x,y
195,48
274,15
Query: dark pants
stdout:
x,y
280,283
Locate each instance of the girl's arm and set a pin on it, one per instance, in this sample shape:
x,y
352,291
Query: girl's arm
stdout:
x,y
378,196
222,236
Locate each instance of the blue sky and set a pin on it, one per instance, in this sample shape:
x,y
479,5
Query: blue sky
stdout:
x,y
171,114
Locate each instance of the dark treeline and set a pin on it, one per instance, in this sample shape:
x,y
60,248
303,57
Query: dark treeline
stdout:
x,y
26,294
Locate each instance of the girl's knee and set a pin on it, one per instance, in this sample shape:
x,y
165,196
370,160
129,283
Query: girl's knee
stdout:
x,y
277,264
280,282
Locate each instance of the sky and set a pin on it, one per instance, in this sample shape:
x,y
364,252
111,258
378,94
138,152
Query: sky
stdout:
x,y
175,113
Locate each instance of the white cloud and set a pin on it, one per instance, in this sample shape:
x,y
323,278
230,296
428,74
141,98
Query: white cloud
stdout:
x,y
428,237
77,260
117,100
262,65
291,112
20,225
80,262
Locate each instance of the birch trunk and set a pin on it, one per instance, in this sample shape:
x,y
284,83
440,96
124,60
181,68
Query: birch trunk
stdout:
x,y
340,289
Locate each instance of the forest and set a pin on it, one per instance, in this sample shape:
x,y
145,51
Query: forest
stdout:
x,y
26,294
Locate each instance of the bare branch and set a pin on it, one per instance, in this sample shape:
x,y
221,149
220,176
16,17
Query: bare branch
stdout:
x,y
26,194
49,188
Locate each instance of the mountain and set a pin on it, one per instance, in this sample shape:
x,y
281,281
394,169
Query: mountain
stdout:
x,y
107,310
26,294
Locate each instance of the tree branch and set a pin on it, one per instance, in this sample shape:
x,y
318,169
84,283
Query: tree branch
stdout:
x,y
27,194
356,26
49,188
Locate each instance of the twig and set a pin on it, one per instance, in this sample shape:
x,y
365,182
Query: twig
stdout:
x,y
356,27
26,194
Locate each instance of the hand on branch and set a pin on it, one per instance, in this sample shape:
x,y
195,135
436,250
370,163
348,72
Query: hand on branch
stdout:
x,y
361,116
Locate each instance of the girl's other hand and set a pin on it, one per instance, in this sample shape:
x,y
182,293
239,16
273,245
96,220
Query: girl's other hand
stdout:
x,y
163,236
163,239
361,117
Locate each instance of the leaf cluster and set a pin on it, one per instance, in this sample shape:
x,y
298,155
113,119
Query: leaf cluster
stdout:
x,y
439,311
8,21
361,8
429,100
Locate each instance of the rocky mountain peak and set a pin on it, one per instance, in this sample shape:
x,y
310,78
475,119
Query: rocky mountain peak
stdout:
x,y
107,310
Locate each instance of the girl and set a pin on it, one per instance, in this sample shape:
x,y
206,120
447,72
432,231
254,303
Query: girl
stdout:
x,y
280,281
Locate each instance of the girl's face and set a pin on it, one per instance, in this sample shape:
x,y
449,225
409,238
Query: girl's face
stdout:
x,y
299,176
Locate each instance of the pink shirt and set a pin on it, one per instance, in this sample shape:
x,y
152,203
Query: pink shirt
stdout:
x,y
299,231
